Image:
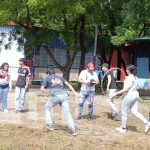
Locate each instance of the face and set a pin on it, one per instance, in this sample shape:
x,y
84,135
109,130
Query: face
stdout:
x,y
128,72
21,63
104,69
91,70
5,67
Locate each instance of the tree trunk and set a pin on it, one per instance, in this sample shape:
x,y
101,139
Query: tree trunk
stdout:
x,y
66,69
82,43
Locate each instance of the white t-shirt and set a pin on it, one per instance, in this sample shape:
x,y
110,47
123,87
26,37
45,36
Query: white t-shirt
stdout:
x,y
131,82
87,76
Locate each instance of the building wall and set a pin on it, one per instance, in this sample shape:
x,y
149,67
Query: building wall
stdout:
x,y
11,55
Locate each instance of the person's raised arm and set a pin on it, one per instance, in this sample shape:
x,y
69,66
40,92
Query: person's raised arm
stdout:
x,y
71,88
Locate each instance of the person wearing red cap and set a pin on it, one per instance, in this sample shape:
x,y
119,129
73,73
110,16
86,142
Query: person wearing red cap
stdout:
x,y
88,79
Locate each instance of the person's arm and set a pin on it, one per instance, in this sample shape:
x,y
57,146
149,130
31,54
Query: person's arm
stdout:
x,y
124,90
43,89
10,84
82,79
28,78
71,88
109,82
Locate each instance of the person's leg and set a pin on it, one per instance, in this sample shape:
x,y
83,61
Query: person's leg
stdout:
x,y
4,99
47,109
125,107
22,99
1,95
17,98
134,110
82,98
110,102
66,110
91,95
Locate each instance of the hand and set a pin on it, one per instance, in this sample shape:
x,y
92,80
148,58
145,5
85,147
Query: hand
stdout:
x,y
113,95
76,94
26,86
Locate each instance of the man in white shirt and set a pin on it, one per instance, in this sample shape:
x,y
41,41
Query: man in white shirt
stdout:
x,y
88,79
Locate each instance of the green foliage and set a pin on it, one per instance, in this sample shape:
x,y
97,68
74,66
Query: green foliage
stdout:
x,y
135,21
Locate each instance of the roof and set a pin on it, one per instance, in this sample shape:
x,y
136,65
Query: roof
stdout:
x,y
143,39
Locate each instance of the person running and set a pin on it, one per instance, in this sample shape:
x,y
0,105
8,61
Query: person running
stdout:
x,y
111,88
5,85
88,79
59,95
21,85
130,99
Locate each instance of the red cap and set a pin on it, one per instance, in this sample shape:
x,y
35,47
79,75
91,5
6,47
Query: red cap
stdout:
x,y
90,66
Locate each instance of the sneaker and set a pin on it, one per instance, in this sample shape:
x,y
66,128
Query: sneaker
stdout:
x,y
6,110
121,130
89,118
79,117
49,128
147,127
21,111
73,132
116,116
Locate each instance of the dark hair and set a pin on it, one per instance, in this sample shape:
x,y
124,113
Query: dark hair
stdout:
x,y
50,71
23,60
5,64
132,69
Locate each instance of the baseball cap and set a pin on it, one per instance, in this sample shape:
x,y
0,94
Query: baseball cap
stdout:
x,y
105,65
22,59
90,66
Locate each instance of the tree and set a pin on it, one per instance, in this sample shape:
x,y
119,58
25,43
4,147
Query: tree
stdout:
x,y
135,21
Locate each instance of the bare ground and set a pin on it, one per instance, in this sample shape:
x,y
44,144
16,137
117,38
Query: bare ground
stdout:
x,y
24,131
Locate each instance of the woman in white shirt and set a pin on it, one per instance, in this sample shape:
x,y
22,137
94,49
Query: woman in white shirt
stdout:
x,y
130,99
5,85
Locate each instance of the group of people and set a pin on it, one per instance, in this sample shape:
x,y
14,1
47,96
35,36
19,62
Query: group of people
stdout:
x,y
88,78
20,88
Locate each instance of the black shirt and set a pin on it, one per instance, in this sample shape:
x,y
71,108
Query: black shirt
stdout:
x,y
23,72
113,84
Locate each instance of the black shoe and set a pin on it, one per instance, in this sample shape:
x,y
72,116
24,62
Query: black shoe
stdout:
x,y
116,116
48,128
21,111
73,132
89,118
79,117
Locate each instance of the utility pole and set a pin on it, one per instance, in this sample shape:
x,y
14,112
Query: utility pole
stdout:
x,y
95,45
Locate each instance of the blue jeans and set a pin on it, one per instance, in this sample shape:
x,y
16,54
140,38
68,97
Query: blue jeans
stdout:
x,y
19,98
62,101
89,96
3,97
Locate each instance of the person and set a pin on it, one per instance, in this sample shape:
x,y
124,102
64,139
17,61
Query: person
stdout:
x,y
22,84
130,99
59,95
99,73
5,85
88,79
111,88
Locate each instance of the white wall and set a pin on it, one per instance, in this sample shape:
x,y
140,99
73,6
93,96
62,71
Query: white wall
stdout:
x,y
11,56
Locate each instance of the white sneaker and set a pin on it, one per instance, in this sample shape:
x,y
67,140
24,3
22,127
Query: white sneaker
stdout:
x,y
147,127
121,130
5,110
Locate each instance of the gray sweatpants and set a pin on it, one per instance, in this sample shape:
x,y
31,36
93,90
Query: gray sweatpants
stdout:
x,y
110,101
130,101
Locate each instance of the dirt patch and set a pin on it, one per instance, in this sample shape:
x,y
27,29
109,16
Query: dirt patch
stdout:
x,y
24,131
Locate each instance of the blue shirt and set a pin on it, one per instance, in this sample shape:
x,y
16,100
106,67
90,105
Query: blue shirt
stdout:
x,y
55,84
